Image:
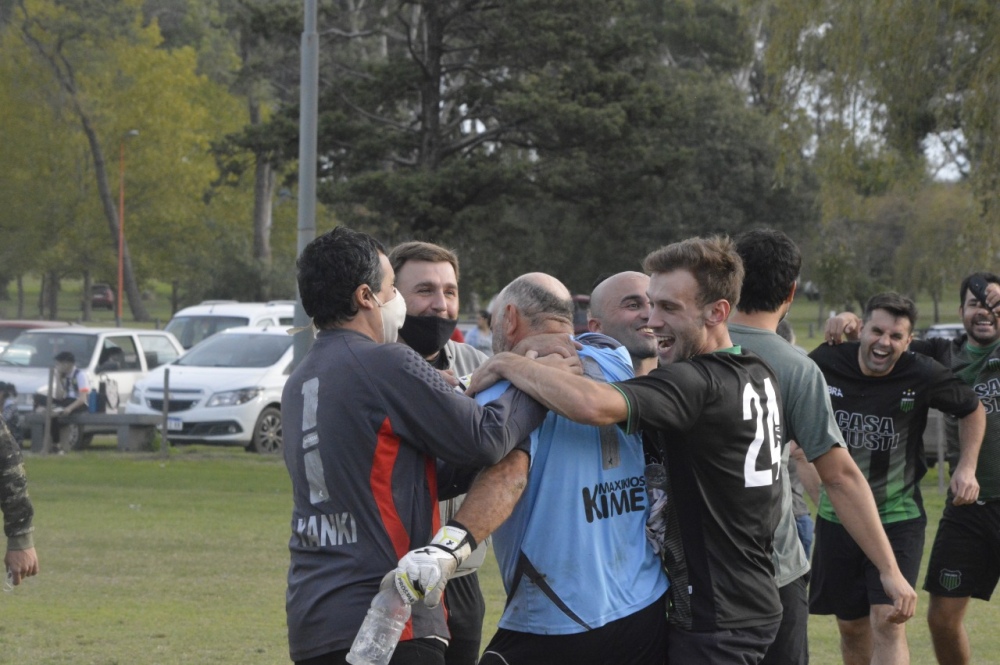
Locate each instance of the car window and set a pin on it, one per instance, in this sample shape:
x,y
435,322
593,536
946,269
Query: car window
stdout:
x,y
8,334
189,330
236,350
158,350
119,355
286,320
39,349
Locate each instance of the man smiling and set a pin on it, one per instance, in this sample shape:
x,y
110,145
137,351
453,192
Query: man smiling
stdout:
x,y
880,395
619,308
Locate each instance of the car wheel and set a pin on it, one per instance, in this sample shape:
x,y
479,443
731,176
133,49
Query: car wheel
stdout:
x,y
267,432
76,439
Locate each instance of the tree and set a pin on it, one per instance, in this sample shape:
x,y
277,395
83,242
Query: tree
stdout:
x,y
108,74
529,134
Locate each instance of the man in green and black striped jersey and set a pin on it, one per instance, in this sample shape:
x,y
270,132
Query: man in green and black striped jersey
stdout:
x,y
880,395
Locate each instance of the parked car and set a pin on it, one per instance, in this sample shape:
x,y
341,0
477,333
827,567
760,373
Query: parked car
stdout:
x,y
9,330
193,324
121,355
945,330
226,389
102,296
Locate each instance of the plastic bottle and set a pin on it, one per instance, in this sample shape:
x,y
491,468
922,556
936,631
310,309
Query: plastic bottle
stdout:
x,y
379,634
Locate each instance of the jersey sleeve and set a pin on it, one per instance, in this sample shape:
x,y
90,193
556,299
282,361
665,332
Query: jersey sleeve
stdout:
x,y
950,394
14,501
936,348
809,411
427,413
82,383
669,398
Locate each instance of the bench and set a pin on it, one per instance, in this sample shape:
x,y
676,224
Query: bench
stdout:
x,y
135,431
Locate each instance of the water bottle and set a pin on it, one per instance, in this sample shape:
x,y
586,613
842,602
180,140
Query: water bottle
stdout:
x,y
379,634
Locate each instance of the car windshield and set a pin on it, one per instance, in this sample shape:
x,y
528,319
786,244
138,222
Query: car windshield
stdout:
x,y
189,330
8,334
39,349
237,350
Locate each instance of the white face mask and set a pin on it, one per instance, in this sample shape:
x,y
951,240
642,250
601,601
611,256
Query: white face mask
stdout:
x,y
393,314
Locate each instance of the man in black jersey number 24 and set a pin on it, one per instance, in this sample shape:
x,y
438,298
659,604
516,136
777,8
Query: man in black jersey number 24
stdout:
x,y
714,412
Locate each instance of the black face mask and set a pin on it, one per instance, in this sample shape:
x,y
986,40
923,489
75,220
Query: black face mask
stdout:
x,y
427,334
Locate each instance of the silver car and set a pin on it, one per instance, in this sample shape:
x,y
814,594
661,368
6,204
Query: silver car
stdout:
x,y
226,389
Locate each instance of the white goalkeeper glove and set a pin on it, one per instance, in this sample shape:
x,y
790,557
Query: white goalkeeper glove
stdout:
x,y
424,572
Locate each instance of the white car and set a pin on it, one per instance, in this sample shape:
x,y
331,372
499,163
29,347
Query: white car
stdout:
x,y
118,356
226,389
198,322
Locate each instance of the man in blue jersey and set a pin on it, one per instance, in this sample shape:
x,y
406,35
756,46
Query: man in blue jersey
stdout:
x,y
598,596
713,412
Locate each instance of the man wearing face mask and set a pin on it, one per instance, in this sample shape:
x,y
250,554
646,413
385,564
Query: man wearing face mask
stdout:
x,y
364,423
427,279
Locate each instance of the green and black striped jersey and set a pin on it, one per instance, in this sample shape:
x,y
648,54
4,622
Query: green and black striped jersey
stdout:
x,y
883,419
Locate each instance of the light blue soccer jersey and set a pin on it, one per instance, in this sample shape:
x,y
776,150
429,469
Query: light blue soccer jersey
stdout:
x,y
574,554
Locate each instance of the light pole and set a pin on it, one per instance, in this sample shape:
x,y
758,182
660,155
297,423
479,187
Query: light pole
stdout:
x,y
121,224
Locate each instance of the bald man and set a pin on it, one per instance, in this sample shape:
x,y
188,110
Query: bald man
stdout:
x,y
583,583
619,308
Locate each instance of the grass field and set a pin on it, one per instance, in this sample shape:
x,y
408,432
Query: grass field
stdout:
x,y
182,561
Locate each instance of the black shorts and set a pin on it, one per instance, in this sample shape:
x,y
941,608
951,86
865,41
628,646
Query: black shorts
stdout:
x,y
638,639
737,646
791,644
965,559
845,582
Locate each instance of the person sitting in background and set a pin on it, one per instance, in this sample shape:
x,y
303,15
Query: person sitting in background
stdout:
x,y
70,393
481,337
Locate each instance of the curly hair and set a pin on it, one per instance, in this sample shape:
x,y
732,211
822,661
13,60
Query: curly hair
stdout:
x,y
331,268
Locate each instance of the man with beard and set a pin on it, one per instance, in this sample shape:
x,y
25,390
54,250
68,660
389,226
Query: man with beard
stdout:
x,y
964,562
715,416
880,396
427,278
772,262
364,421
584,491
619,308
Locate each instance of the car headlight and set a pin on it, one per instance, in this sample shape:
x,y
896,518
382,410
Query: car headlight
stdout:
x,y
234,397
136,397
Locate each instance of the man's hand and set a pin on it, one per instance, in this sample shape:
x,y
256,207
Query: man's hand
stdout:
x,y
21,564
424,572
546,344
486,375
844,325
904,598
964,486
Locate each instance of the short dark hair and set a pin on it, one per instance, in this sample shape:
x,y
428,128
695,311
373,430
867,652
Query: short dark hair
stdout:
x,y
713,261
963,290
772,263
416,250
894,303
65,357
331,268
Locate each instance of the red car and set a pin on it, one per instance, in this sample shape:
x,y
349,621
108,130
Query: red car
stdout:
x,y
102,296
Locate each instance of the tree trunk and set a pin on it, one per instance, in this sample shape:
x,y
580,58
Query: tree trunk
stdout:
x,y
85,298
135,303
20,296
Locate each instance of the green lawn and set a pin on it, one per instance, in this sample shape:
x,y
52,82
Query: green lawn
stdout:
x,y
183,561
